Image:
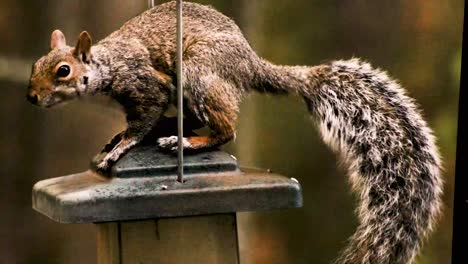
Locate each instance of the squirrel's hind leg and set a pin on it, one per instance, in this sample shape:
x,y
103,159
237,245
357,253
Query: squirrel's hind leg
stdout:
x,y
215,102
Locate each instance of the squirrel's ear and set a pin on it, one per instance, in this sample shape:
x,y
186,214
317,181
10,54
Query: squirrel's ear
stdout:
x,y
57,40
83,47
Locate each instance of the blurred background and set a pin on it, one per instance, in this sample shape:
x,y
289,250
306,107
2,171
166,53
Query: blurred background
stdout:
x,y
418,42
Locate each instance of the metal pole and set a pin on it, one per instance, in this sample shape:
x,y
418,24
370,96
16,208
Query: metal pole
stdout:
x,y
151,3
180,124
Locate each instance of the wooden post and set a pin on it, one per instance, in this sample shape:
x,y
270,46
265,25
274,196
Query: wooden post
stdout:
x,y
144,215
196,239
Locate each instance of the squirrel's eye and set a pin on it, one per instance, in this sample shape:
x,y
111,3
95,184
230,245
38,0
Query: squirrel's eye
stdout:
x,y
63,71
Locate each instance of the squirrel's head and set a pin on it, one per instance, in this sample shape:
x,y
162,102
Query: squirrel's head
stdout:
x,y
62,74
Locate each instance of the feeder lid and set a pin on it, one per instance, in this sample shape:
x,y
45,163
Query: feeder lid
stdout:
x,y
143,185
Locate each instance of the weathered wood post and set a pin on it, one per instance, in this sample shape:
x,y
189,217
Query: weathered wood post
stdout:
x,y
144,215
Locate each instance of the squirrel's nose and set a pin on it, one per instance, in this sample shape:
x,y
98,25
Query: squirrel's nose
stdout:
x,y
32,98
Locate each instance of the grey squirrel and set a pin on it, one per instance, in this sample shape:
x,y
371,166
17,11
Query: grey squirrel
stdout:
x,y
362,114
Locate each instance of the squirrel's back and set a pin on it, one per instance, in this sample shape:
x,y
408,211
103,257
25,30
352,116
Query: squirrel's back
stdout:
x,y
157,26
211,39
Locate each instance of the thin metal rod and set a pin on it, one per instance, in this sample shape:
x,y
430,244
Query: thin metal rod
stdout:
x,y
180,110
150,3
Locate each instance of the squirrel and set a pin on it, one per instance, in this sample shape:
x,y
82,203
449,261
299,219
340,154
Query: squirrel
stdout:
x,y
362,114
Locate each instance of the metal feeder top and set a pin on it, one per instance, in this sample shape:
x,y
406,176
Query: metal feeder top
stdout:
x,y
143,185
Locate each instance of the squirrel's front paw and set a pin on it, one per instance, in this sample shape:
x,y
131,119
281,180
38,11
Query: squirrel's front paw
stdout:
x,y
102,167
102,164
170,143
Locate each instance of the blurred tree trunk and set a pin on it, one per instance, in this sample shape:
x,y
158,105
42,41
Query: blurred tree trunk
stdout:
x,y
256,245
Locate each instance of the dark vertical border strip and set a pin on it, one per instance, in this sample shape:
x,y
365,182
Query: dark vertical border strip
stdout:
x,y
460,214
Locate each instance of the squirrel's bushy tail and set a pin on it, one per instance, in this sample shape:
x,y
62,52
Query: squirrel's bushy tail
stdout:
x,y
393,162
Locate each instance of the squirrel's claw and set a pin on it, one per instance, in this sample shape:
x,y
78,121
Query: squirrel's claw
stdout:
x,y
104,165
101,164
102,168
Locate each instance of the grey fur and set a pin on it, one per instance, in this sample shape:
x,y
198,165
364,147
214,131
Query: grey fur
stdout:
x,y
361,113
